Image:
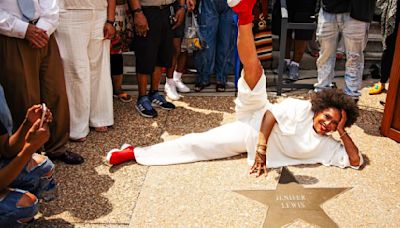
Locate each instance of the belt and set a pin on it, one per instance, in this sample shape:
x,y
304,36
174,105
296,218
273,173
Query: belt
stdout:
x,y
157,7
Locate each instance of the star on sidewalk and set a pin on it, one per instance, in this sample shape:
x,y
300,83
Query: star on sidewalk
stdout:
x,y
291,201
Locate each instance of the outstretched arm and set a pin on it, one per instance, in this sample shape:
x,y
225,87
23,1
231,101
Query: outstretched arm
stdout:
x,y
248,55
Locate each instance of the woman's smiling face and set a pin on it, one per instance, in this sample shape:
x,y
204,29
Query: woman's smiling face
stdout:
x,y
326,121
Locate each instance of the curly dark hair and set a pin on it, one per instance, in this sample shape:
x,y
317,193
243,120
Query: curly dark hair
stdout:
x,y
334,98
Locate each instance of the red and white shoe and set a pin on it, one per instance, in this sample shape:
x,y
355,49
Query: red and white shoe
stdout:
x,y
118,156
244,10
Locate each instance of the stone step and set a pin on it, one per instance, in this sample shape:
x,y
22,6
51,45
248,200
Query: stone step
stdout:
x,y
374,42
130,80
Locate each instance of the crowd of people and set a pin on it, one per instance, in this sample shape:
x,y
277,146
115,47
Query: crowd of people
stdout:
x,y
62,65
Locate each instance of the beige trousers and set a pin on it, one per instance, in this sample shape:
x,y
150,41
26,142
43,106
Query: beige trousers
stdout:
x,y
86,59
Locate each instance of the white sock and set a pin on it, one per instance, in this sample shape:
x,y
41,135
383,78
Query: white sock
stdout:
x,y
170,81
288,61
294,63
177,76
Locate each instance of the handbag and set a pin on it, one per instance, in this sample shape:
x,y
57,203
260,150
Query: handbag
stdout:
x,y
262,31
192,40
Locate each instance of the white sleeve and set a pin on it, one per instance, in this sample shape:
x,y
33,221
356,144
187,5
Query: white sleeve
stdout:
x,y
289,112
11,25
49,14
249,101
340,157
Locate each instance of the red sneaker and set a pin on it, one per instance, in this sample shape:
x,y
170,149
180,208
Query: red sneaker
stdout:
x,y
244,10
118,156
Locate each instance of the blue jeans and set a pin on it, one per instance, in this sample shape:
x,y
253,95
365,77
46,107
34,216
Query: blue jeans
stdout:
x,y
355,39
32,181
217,29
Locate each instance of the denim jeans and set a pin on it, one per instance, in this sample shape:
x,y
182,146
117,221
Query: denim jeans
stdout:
x,y
217,29
355,39
32,181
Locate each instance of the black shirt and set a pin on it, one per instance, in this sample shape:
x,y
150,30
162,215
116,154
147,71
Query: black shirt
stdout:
x,y
361,10
336,6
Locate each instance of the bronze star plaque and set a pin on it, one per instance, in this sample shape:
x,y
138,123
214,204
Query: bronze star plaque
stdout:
x,y
291,201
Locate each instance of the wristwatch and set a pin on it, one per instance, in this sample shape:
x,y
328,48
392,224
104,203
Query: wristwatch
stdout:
x,y
137,10
111,22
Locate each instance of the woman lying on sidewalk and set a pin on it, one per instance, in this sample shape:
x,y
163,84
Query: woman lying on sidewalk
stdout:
x,y
292,132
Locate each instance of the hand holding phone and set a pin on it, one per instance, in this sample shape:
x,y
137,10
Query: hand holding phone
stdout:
x,y
44,110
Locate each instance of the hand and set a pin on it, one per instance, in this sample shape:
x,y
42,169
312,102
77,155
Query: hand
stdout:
x,y
179,17
108,31
35,113
37,136
342,122
141,25
37,37
260,165
190,4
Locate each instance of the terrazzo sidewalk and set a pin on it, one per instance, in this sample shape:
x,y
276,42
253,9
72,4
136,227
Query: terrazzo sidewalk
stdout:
x,y
202,194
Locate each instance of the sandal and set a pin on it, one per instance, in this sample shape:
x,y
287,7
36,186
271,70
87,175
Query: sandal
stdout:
x,y
123,97
101,129
200,86
220,88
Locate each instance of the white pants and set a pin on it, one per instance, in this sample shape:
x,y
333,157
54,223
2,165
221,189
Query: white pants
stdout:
x,y
224,141
86,61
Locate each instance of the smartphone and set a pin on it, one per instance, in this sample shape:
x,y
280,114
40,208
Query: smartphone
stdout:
x,y
44,110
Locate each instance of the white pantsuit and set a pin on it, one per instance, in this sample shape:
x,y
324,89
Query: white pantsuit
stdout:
x,y
292,141
86,60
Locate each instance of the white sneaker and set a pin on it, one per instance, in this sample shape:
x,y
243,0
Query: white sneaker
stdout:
x,y
170,90
181,87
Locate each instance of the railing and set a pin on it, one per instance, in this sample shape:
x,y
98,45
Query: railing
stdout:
x,y
285,25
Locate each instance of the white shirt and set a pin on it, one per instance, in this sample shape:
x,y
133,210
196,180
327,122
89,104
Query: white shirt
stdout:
x,y
12,25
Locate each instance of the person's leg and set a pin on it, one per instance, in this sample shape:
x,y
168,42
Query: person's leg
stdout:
x,y
116,66
180,69
52,76
146,51
355,38
205,58
224,44
170,88
37,177
327,32
73,34
221,142
164,58
299,49
17,207
101,101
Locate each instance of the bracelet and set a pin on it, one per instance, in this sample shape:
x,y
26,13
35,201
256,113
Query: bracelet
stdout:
x,y
261,149
344,133
137,10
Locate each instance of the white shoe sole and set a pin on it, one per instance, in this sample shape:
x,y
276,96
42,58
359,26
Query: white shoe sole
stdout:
x,y
232,3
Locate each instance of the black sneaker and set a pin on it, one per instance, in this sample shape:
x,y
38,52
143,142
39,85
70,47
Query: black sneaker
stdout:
x,y
159,101
143,106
